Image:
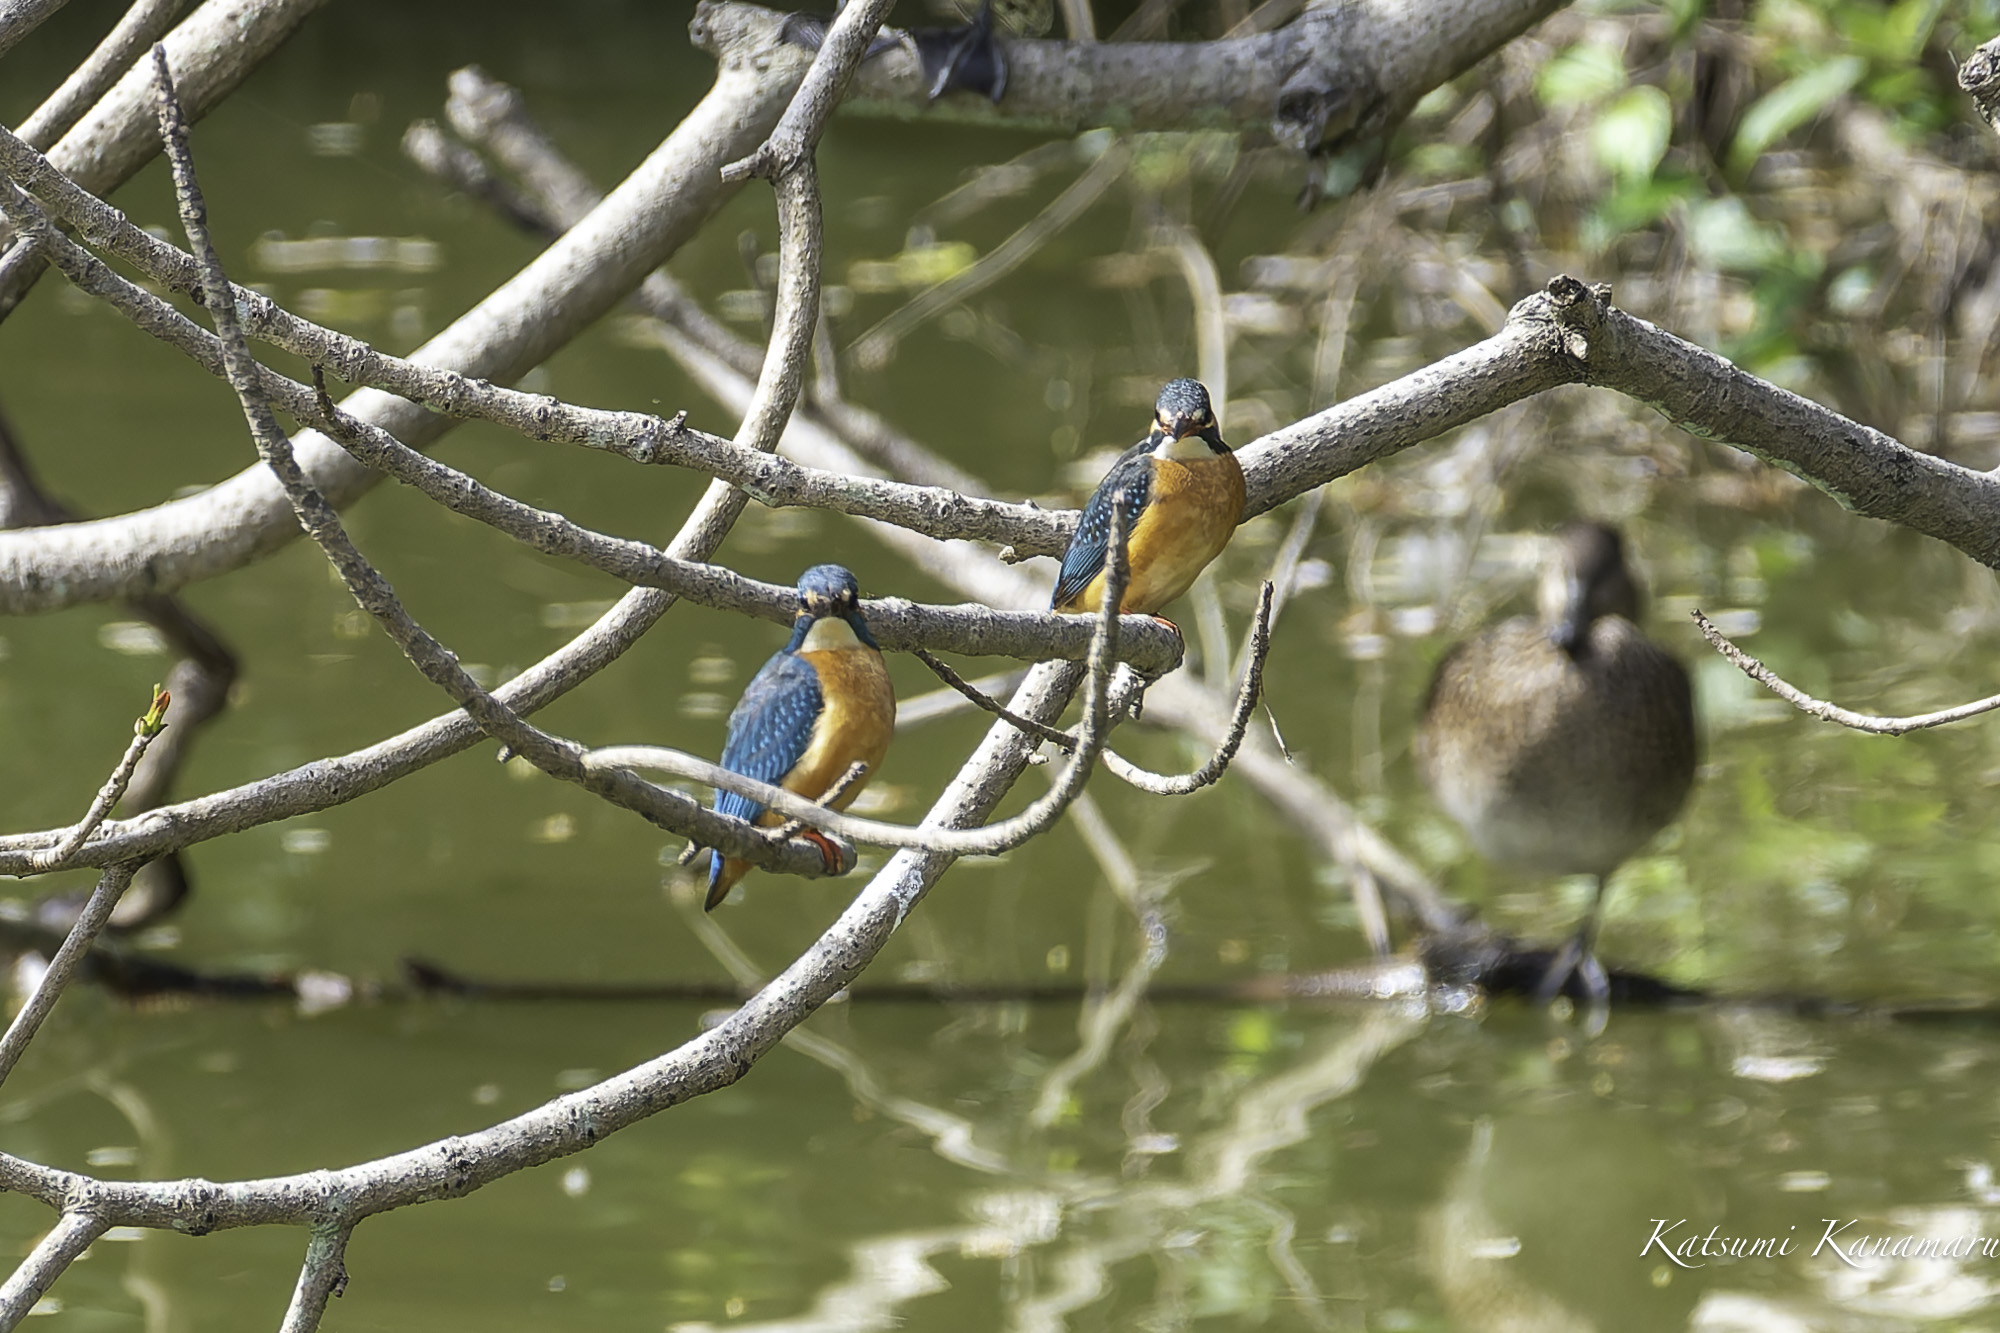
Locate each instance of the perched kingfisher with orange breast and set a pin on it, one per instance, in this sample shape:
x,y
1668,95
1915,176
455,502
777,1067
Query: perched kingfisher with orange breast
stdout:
x,y
1184,497
821,704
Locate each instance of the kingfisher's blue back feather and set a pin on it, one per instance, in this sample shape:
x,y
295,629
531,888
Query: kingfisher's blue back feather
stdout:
x,y
1084,560
769,729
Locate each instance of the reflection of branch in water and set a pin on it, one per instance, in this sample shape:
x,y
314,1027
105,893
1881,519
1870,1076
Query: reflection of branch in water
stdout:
x,y
888,1271
878,344
951,1136
1100,1020
1135,1218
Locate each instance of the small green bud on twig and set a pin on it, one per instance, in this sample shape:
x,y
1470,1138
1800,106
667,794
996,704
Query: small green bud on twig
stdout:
x,y
155,720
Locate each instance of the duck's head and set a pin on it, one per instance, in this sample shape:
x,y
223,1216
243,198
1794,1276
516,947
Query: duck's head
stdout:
x,y
1587,580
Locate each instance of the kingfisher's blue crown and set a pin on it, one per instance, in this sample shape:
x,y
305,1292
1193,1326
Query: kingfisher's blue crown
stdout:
x,y
828,583
1183,398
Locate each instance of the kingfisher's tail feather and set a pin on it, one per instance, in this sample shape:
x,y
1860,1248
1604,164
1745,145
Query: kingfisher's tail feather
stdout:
x,y
723,872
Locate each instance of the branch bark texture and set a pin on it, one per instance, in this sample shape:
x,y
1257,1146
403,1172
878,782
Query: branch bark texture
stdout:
x,y
562,291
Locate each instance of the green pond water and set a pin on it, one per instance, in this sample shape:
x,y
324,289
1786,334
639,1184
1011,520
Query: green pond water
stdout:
x,y
936,1165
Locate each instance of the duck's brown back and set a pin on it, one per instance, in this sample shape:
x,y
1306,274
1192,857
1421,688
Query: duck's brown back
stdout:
x,y
1559,764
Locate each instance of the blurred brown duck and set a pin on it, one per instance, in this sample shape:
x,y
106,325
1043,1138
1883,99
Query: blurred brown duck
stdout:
x,y
1563,745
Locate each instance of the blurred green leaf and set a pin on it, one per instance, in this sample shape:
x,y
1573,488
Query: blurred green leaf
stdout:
x,y
1684,14
1909,27
1581,73
1634,206
1631,135
1252,1032
1722,232
1790,105
1444,161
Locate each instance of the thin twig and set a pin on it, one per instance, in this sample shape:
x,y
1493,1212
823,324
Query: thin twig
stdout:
x,y
790,146
1826,712
322,1276
672,810
939,509
791,828
151,724
1055,736
56,976
1232,739
948,702
989,840
67,1240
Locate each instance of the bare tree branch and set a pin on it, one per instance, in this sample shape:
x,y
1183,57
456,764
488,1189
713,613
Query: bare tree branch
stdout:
x,y
322,1276
990,840
18,18
56,976
1339,73
1827,712
898,622
1252,689
562,290
790,147
142,25
67,1240
639,436
987,703
1979,76
562,759
215,49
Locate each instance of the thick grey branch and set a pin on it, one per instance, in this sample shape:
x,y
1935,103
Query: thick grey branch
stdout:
x,y
1338,72
215,49
18,18
562,290
141,26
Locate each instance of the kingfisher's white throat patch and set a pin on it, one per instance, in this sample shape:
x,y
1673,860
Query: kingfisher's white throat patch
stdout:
x,y
1187,449
830,634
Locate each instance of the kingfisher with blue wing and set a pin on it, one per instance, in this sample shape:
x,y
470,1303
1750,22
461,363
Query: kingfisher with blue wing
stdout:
x,y
822,704
1184,496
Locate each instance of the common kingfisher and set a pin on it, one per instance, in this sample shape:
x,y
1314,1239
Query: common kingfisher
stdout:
x,y
1184,496
1562,745
822,703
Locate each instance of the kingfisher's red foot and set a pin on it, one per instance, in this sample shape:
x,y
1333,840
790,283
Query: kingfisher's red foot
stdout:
x,y
827,849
